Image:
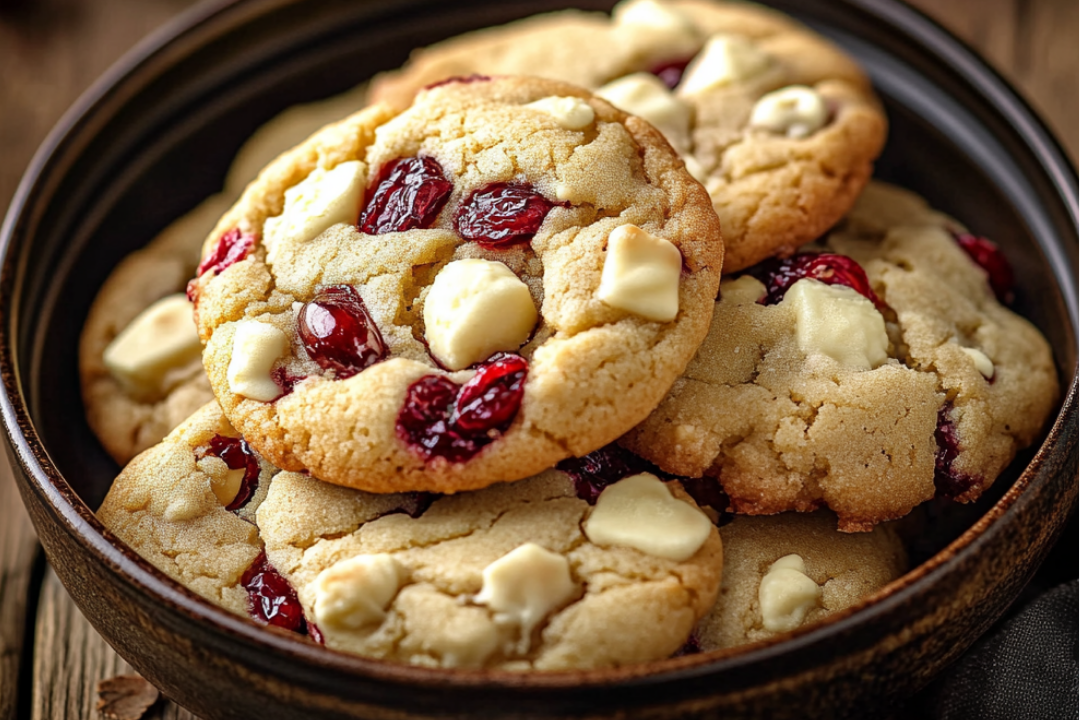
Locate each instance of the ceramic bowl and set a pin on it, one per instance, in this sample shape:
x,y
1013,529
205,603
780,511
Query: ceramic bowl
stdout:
x,y
156,135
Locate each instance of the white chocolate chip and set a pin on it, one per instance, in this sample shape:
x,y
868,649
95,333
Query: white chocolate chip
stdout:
x,y
224,481
641,274
724,60
787,594
322,199
838,322
982,363
255,347
475,308
640,512
357,591
796,111
645,95
652,14
571,113
160,338
525,586
743,290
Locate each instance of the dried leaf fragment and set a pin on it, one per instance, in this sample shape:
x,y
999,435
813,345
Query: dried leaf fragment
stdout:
x,y
125,697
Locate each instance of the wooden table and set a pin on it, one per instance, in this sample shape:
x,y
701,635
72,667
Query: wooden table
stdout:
x,y
51,50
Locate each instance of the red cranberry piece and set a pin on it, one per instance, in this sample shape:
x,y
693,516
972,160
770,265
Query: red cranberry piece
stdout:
x,y
338,332
671,71
231,248
949,483
285,380
502,214
441,419
593,472
315,634
409,193
780,274
237,455
989,257
463,79
271,599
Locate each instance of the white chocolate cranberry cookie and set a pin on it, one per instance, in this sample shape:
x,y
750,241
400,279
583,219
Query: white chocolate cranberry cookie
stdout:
x,y
785,571
778,123
867,375
506,274
518,576
187,506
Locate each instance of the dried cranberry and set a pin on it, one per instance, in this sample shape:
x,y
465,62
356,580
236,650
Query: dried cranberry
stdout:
x,y
285,379
237,455
950,484
692,646
231,247
502,214
441,419
338,332
463,79
593,472
989,257
671,71
271,599
315,633
779,274
409,193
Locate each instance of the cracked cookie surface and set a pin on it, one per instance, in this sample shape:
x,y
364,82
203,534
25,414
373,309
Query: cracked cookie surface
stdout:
x,y
960,385
847,568
169,504
426,589
775,184
594,368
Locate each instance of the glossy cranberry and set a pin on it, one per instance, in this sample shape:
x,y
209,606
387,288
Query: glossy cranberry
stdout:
x,y
442,419
949,483
671,71
315,634
989,257
779,274
502,214
463,79
593,472
285,380
237,455
231,247
271,599
338,333
409,193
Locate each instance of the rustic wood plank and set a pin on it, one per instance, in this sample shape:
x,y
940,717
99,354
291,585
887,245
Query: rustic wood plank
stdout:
x,y
18,551
70,659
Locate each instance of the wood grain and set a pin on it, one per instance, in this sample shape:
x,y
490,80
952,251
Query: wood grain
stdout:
x,y
52,50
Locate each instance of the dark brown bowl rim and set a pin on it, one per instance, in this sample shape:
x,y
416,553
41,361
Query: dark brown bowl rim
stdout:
x,y
81,523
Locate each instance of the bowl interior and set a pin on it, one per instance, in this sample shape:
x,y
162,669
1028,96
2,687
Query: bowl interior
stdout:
x,y
164,139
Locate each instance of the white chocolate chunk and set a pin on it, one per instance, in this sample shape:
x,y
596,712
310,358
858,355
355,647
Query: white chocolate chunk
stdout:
x,y
724,60
224,481
982,363
652,14
743,290
641,274
645,95
525,586
357,591
475,308
796,111
255,347
640,512
160,338
322,199
571,113
787,594
838,322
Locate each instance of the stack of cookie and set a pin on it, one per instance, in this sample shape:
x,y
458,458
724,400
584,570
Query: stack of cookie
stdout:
x,y
476,394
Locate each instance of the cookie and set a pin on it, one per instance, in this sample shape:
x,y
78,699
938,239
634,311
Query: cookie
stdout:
x,y
787,571
518,576
508,273
187,506
777,122
820,385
